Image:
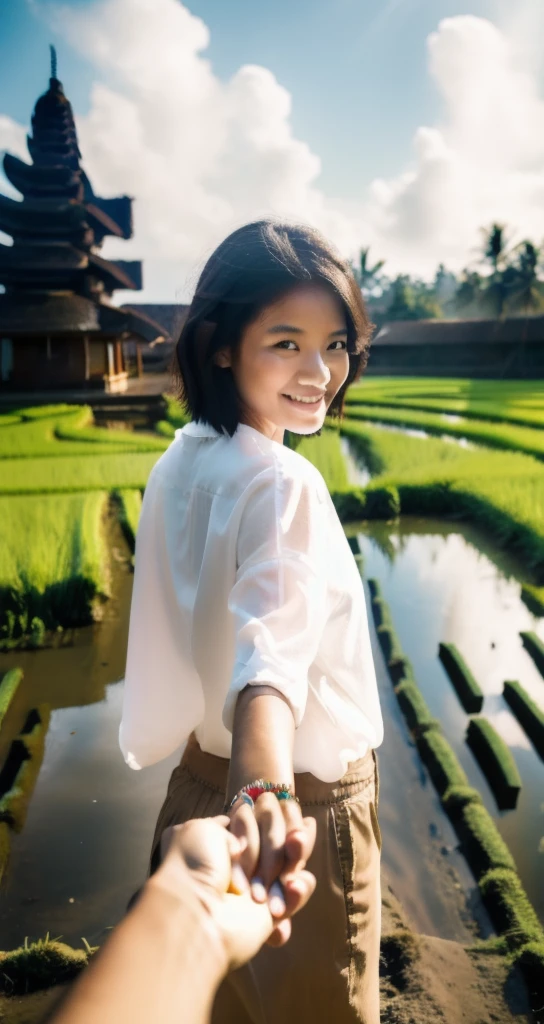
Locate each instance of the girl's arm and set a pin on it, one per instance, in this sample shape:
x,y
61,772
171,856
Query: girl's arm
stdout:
x,y
279,603
279,839
262,739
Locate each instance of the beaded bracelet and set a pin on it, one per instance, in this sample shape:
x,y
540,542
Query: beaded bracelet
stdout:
x,y
254,789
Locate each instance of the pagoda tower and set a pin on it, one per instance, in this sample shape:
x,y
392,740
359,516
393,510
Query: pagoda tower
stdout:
x,y
57,328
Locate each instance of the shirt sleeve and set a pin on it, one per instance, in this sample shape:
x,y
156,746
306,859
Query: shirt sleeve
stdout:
x,y
279,598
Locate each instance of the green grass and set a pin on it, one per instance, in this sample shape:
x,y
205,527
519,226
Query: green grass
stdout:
x,y
53,561
39,965
533,598
175,415
503,492
519,439
61,431
109,440
506,392
56,451
524,415
520,402
130,507
65,538
35,435
47,475
325,453
9,684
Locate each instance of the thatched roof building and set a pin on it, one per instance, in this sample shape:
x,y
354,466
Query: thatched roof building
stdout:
x,y
509,348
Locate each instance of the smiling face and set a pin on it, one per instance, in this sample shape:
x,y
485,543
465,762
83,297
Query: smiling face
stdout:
x,y
297,346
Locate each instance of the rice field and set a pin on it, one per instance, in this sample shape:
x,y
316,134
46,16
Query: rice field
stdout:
x,y
61,431
57,473
50,474
529,440
57,470
53,563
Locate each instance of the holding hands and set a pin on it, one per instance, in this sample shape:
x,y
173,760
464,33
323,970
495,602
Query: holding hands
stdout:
x,y
277,842
215,864
194,920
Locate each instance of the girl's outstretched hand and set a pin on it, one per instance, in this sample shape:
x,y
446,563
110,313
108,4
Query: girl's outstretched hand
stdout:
x,y
278,843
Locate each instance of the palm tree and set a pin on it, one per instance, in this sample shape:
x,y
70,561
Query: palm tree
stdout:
x,y
526,288
496,253
366,276
494,248
469,291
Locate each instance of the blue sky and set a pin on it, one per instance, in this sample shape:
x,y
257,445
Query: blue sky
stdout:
x,y
360,87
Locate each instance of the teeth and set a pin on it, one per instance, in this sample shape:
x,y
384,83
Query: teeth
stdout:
x,y
311,401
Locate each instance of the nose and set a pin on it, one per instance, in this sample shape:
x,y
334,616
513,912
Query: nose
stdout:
x,y
314,372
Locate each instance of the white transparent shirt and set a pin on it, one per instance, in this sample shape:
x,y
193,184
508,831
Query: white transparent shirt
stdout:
x,y
244,575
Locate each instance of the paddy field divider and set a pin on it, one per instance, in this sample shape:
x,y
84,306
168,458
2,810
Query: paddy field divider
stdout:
x,y
484,848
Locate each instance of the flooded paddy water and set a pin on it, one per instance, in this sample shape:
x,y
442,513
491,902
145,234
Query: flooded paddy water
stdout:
x,y
446,582
84,846
85,843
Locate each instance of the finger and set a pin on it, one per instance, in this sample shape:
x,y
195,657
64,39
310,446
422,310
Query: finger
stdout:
x,y
299,846
235,845
281,934
271,823
238,884
292,814
243,825
221,819
298,892
276,900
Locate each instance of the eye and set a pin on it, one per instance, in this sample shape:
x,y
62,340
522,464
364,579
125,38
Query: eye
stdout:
x,y
291,342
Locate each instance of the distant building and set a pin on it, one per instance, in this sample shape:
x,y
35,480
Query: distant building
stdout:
x,y
171,317
512,348
57,328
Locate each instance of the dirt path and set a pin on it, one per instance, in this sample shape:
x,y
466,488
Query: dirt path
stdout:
x,y
445,982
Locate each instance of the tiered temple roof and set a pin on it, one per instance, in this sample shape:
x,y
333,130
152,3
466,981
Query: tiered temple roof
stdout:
x,y
57,228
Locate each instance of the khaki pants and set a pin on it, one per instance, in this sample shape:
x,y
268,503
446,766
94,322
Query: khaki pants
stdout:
x,y
328,972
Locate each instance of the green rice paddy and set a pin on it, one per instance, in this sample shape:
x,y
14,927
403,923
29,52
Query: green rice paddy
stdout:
x,y
58,471
53,563
60,475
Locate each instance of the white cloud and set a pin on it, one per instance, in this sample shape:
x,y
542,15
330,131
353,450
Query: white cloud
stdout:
x,y
201,156
484,163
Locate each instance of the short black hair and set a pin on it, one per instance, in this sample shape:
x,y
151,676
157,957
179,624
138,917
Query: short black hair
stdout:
x,y
252,268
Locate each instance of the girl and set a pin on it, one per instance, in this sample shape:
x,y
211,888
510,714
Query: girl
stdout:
x,y
249,640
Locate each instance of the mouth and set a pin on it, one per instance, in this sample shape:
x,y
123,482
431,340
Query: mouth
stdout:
x,y
308,405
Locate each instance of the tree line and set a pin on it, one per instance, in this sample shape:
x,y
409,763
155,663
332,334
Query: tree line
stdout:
x,y
502,280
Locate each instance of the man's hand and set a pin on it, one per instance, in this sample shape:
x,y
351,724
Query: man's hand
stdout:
x,y
204,856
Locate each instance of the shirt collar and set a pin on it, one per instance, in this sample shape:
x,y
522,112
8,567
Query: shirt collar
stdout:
x,y
197,429
194,428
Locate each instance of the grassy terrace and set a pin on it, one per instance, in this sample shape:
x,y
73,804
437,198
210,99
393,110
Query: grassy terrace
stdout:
x,y
58,472
53,563
507,415
502,492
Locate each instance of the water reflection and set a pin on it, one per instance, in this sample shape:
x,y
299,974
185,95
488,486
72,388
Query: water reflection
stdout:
x,y
463,442
441,586
90,821
357,472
